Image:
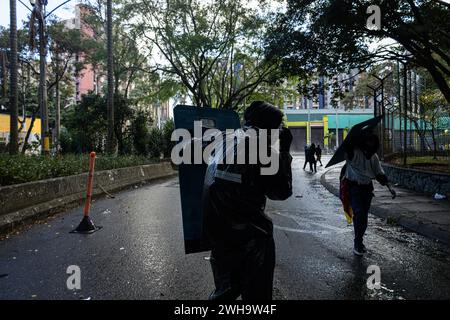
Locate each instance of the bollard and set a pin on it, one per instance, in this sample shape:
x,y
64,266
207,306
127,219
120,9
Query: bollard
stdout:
x,y
87,225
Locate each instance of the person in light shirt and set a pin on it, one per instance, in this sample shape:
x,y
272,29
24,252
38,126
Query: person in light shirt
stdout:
x,y
362,166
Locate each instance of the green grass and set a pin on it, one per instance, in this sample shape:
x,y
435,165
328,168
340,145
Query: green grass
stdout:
x,y
441,164
21,169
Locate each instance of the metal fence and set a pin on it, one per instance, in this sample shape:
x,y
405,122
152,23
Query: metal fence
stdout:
x,y
406,131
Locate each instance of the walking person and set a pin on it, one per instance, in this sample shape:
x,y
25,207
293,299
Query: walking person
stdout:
x,y
240,233
306,156
311,158
319,155
362,166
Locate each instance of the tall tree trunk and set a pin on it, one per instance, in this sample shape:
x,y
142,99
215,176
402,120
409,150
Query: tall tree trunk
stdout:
x,y
14,94
45,140
57,104
110,144
4,62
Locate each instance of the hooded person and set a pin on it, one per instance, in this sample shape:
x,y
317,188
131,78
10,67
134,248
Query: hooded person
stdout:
x,y
234,198
362,166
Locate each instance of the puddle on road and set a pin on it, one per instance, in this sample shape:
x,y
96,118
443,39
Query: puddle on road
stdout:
x,y
384,293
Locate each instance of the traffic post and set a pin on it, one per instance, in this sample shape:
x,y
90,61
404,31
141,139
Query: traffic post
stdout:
x,y
87,225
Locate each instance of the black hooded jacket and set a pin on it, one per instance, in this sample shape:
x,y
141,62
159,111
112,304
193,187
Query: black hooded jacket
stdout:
x,y
235,199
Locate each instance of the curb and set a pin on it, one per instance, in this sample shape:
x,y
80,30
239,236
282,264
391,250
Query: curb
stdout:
x,y
22,216
426,229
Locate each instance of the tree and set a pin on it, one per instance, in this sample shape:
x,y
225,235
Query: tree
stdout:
x,y
64,45
214,48
111,146
434,107
329,37
87,123
140,133
13,101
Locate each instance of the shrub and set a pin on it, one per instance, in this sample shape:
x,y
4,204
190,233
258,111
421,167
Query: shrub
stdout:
x,y
139,130
21,169
167,130
156,142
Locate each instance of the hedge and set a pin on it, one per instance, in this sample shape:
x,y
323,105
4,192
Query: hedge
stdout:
x,y
21,169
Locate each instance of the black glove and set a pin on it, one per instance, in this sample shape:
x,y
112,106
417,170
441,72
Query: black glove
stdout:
x,y
285,139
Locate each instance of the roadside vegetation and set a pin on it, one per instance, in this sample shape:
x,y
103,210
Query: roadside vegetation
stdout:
x,y
21,169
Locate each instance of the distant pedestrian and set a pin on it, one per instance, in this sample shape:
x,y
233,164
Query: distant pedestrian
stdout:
x,y
319,155
362,166
306,156
311,158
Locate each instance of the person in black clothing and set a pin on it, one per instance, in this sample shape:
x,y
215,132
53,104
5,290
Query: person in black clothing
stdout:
x,y
311,158
319,155
240,233
306,157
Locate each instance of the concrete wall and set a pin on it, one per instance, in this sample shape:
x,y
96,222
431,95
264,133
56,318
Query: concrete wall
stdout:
x,y
417,180
22,202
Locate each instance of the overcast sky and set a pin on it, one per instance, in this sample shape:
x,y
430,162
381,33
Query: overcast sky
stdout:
x,y
64,12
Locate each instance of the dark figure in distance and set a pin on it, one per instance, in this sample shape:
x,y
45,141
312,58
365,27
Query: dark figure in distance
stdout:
x,y
240,233
306,157
311,158
319,155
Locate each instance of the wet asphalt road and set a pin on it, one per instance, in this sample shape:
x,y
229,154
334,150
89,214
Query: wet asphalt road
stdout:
x,y
139,252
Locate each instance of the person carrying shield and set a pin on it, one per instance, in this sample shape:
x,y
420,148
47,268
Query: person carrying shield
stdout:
x,y
240,233
362,166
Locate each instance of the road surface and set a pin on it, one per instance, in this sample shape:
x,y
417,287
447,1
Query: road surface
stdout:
x,y
139,252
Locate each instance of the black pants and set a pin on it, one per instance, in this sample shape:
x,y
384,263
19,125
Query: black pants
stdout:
x,y
360,199
246,270
313,166
319,159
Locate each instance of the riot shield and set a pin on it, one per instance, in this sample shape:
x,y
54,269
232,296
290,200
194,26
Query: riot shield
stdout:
x,y
191,176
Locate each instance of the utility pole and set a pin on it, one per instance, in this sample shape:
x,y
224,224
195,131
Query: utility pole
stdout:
x,y
13,92
110,144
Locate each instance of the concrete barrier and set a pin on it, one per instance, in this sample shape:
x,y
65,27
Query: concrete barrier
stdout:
x,y
24,202
419,180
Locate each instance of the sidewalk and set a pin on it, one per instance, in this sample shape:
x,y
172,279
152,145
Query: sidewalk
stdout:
x,y
414,211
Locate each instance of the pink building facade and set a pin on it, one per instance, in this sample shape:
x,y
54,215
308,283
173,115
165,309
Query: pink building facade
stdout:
x,y
87,80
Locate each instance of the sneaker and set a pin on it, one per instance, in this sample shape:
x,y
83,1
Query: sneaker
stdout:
x,y
358,251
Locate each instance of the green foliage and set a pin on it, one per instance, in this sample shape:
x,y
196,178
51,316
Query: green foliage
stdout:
x,y
140,133
330,37
21,169
214,48
156,142
86,124
167,130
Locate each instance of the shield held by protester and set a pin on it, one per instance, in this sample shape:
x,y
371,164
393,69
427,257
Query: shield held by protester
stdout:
x,y
191,176
355,132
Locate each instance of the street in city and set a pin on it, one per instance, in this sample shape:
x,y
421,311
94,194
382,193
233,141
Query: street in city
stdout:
x,y
139,253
